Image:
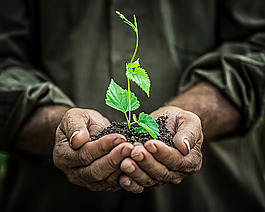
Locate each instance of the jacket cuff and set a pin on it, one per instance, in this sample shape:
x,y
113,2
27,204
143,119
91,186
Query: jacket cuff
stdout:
x,y
240,79
20,93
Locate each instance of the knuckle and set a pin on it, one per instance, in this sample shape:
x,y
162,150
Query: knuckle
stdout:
x,y
177,180
84,157
178,164
150,165
139,176
149,183
167,177
181,164
112,163
138,190
95,174
160,177
163,176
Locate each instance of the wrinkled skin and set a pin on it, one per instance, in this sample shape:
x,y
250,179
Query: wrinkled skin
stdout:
x,y
155,163
127,166
94,165
111,163
134,167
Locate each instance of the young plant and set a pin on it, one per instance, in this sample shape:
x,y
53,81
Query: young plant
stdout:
x,y
125,100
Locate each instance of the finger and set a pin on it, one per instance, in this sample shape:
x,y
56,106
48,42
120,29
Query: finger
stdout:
x,y
96,149
132,170
67,158
158,171
101,168
164,154
173,159
188,131
130,185
74,126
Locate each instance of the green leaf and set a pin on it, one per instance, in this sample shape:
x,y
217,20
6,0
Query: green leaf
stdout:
x,y
135,21
134,64
135,118
120,15
125,20
148,123
140,77
140,129
117,98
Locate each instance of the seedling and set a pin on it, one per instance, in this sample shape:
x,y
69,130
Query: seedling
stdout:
x,y
125,100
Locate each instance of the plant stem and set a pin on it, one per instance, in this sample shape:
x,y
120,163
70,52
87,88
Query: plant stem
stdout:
x,y
129,101
127,118
136,45
128,80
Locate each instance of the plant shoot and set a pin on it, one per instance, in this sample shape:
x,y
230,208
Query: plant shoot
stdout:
x,y
123,99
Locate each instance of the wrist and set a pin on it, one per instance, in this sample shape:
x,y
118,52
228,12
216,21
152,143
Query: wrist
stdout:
x,y
37,135
218,115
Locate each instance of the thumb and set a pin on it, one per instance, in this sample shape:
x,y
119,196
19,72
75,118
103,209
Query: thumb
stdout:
x,y
74,125
188,132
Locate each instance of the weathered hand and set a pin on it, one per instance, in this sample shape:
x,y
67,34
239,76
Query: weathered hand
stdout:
x,y
155,163
91,164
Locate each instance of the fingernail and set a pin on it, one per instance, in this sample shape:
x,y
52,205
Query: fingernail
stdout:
x,y
125,152
72,136
151,148
130,169
138,156
186,141
137,144
118,140
127,182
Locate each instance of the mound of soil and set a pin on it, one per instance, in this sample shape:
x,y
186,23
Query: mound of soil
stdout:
x,y
133,136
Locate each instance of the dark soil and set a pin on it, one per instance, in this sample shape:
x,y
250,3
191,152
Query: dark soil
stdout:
x,y
133,136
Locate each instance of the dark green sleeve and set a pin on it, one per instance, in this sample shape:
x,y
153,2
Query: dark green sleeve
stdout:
x,y
237,67
22,86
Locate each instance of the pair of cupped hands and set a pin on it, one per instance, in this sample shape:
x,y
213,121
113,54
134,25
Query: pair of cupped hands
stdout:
x,y
111,163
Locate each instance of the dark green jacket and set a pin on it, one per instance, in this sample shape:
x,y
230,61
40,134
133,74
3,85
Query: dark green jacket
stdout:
x,y
65,52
